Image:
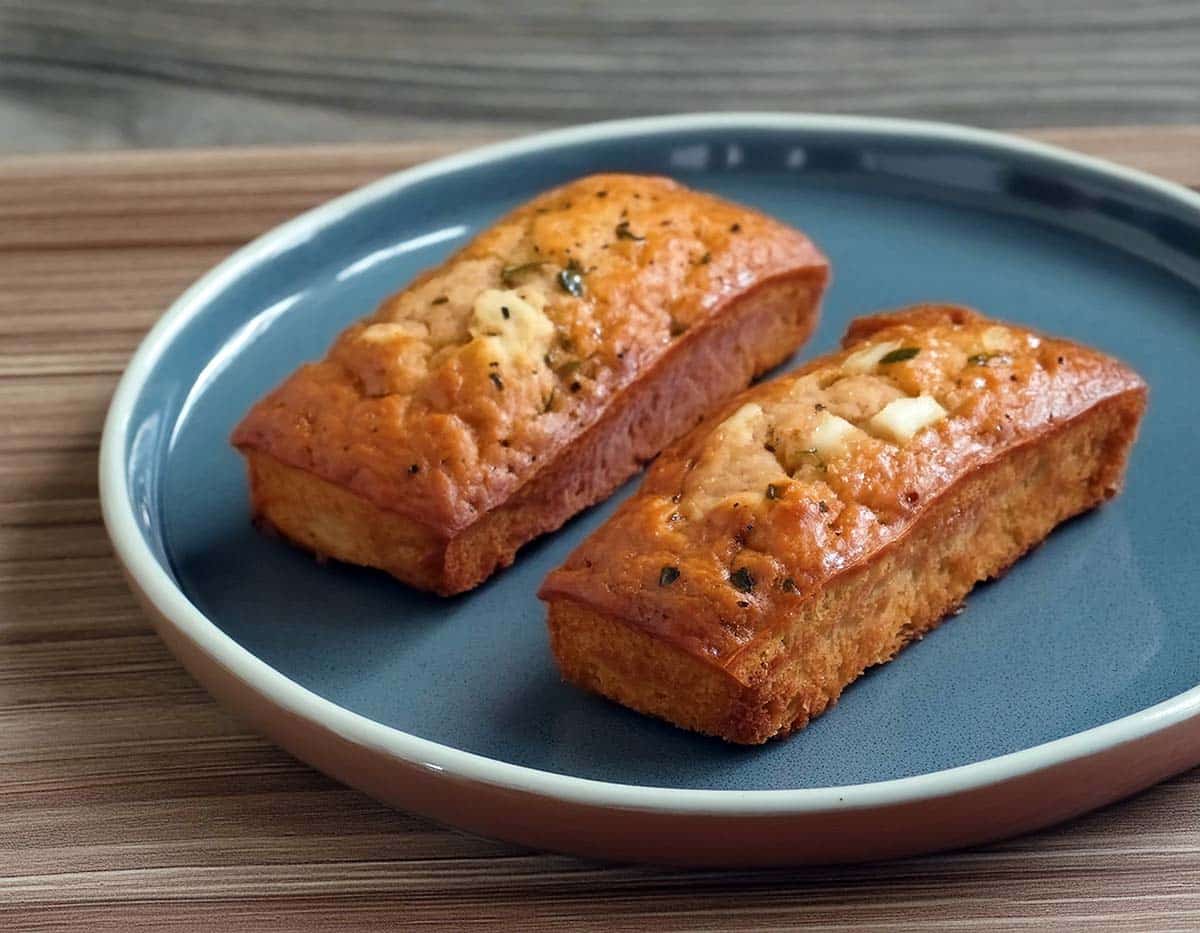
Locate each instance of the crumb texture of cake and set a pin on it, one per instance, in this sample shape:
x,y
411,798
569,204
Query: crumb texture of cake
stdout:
x,y
815,524
470,386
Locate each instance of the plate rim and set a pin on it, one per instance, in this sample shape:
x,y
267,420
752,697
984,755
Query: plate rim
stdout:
x,y
174,609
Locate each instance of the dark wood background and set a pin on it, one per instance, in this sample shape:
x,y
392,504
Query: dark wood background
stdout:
x,y
78,74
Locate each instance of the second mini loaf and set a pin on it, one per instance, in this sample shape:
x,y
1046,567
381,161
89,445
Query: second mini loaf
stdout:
x,y
819,523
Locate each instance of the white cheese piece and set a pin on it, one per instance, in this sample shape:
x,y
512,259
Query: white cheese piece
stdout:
x,y
866,359
745,426
823,438
387,331
831,435
388,356
735,462
997,339
514,323
904,417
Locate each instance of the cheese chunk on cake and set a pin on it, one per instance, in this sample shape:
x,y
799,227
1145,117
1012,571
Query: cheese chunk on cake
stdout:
x,y
815,525
527,377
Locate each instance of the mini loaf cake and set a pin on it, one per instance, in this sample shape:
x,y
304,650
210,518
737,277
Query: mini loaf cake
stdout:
x,y
527,377
819,523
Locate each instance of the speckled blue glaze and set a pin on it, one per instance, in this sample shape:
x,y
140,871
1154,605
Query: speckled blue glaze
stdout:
x,y
1098,623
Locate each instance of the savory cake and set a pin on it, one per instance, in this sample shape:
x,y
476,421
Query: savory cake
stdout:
x,y
527,376
817,524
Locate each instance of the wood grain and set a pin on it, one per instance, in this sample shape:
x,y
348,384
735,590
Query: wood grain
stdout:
x,y
129,800
126,73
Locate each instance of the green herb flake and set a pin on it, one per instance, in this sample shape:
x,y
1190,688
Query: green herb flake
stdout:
x,y
496,381
742,579
668,575
789,586
624,233
706,259
510,274
813,458
571,279
772,491
899,355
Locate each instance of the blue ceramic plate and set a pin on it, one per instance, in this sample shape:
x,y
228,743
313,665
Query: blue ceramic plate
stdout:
x,y
419,698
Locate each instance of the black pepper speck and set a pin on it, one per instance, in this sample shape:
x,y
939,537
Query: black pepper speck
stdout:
x,y
742,579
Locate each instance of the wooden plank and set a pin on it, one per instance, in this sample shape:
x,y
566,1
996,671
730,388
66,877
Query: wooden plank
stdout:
x,y
137,199
1170,152
130,800
113,73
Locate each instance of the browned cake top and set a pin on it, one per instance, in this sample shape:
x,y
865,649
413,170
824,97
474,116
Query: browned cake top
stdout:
x,y
455,392
809,475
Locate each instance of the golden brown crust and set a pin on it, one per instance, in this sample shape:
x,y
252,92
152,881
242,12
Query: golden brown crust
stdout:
x,y
470,389
716,569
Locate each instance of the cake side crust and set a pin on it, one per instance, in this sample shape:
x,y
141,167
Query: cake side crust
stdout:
x,y
332,522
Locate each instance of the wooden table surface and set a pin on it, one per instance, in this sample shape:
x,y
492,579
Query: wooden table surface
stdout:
x,y
129,800
98,74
